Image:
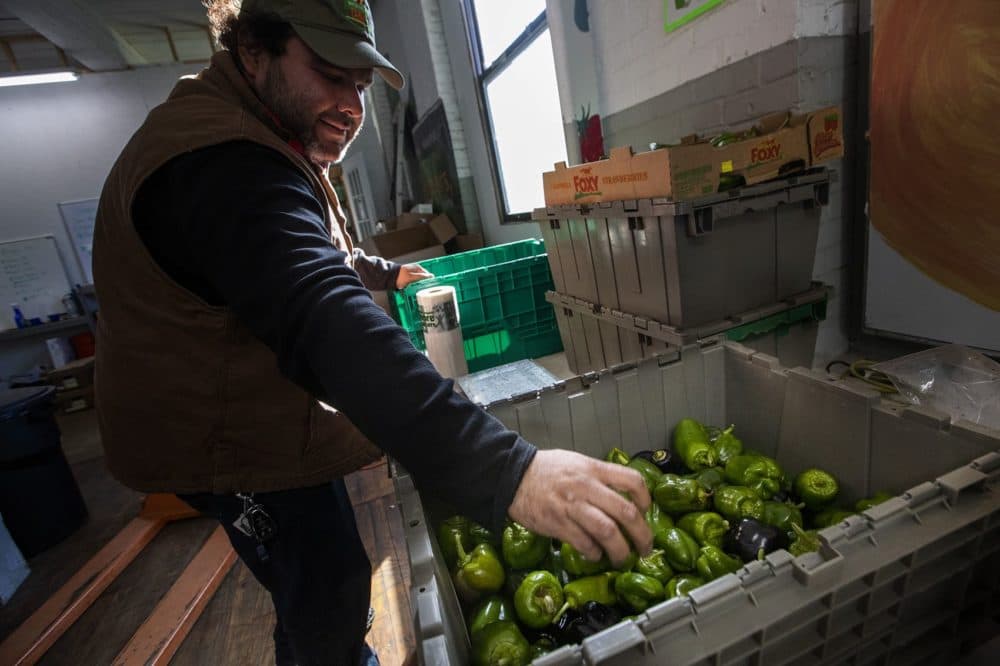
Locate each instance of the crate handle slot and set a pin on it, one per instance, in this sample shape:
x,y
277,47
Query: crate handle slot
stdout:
x,y
636,224
821,196
701,222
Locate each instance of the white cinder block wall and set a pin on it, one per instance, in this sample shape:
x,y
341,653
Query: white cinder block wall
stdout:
x,y
59,142
742,60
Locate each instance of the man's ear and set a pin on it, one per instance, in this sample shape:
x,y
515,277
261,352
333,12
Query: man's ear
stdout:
x,y
252,60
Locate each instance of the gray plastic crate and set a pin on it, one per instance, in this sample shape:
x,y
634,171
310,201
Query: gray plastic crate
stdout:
x,y
689,263
596,337
908,582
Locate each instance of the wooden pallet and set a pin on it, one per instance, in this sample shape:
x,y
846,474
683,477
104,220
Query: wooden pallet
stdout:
x,y
164,630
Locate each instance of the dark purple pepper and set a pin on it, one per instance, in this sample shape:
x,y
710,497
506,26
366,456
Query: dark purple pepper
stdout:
x,y
575,625
751,540
660,457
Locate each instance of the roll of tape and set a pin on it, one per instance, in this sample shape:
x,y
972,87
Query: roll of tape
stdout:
x,y
438,308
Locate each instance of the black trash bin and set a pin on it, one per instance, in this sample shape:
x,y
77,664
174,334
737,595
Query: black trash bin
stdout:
x,y
39,498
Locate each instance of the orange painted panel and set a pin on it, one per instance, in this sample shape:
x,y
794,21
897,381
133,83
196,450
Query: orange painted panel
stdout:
x,y
935,108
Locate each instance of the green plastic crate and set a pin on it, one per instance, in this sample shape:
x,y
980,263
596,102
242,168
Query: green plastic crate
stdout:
x,y
498,288
507,345
780,323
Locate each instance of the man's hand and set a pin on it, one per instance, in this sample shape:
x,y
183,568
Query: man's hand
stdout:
x,y
574,498
411,273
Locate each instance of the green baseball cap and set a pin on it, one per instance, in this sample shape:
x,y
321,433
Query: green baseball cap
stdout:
x,y
339,31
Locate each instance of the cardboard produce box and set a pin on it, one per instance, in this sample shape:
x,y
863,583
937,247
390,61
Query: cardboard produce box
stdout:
x,y
779,144
75,400
412,242
73,375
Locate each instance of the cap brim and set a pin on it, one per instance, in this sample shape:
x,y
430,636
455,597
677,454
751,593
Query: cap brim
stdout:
x,y
347,50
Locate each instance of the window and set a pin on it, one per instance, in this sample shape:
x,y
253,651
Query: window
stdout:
x,y
512,54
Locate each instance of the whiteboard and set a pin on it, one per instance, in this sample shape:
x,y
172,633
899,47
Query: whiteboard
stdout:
x,y
33,277
902,300
79,216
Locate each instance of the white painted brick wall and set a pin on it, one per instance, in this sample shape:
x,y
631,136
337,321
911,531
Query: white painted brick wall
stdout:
x,y
446,84
826,18
636,60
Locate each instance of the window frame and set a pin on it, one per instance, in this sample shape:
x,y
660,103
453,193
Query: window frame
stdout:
x,y
484,75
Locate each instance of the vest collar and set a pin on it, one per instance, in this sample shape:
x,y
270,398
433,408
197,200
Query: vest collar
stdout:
x,y
224,75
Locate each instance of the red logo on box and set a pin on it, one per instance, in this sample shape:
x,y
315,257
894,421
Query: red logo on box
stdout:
x,y
766,151
824,142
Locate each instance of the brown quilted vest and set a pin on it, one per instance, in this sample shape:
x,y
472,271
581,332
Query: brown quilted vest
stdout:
x,y
187,399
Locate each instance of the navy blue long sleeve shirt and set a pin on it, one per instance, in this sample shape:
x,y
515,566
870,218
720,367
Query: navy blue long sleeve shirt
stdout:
x,y
239,226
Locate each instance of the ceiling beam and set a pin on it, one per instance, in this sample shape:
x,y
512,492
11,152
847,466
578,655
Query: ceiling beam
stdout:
x,y
74,28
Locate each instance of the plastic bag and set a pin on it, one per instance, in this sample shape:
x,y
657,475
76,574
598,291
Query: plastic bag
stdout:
x,y
953,379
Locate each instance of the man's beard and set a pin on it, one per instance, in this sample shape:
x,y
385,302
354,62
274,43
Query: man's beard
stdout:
x,y
292,110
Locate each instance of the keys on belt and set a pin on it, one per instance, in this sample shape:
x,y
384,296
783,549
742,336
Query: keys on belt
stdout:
x,y
255,523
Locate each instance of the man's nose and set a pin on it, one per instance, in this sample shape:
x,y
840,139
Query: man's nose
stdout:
x,y
352,104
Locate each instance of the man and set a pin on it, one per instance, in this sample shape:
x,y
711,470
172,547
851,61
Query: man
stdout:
x,y
233,303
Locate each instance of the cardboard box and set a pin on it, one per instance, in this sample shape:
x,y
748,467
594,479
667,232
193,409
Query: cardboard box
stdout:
x,y
75,400
412,243
465,243
73,375
782,144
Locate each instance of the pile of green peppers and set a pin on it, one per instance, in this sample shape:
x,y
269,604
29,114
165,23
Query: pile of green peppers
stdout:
x,y
716,506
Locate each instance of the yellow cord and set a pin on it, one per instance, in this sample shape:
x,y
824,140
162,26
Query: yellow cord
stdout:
x,y
862,370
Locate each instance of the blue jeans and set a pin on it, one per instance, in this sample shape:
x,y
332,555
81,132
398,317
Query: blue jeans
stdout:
x,y
316,570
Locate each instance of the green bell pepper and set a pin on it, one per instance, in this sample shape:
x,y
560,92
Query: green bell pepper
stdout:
x,y
554,565
540,647
713,563
876,499
456,526
677,495
477,572
806,541
500,644
538,599
638,591
830,516
727,446
479,534
659,522
630,561
651,474
709,478
655,565
761,473
781,515
512,580
680,549
522,548
690,443
599,588
577,565
738,502
617,456
491,609
682,584
817,489
707,527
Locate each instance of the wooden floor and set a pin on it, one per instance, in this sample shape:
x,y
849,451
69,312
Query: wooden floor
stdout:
x,y
237,623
